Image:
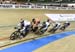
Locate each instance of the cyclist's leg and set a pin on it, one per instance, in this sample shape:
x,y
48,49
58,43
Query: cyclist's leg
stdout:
x,y
35,29
27,30
43,30
51,29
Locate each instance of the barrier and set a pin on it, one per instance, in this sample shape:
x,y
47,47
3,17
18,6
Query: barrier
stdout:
x,y
19,6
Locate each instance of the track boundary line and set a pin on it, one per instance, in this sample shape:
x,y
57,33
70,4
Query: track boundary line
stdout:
x,y
34,38
24,40
52,38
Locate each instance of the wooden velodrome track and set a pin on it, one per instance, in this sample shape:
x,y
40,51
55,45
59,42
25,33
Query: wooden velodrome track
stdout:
x,y
10,17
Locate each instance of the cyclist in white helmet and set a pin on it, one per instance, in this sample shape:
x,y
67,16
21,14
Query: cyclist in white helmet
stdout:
x,y
45,26
24,27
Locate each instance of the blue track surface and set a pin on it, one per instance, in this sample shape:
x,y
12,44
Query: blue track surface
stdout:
x,y
35,44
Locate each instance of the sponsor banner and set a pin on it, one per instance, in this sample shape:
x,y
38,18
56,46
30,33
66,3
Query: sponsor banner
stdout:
x,y
21,6
6,6
61,17
35,7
